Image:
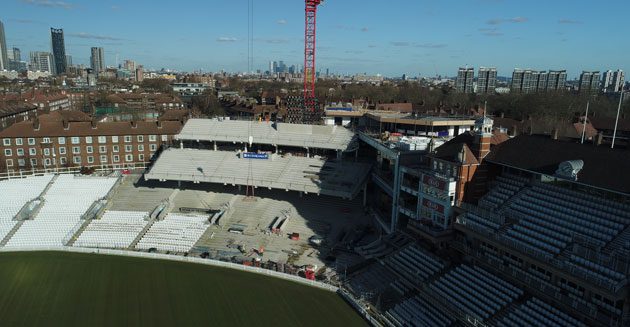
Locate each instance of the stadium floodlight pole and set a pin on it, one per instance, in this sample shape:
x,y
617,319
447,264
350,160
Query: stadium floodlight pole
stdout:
x,y
585,118
612,146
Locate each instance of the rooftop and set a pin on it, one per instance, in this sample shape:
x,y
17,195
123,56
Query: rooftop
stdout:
x,y
308,136
406,118
603,167
310,175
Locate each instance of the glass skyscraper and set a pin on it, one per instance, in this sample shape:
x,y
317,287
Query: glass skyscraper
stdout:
x,y
58,50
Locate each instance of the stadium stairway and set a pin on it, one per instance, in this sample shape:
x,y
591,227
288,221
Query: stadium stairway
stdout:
x,y
10,234
621,241
146,228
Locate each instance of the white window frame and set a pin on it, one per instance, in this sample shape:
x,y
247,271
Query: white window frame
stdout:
x,y
152,138
141,157
33,162
32,151
153,147
129,157
75,140
164,138
46,140
88,139
9,162
141,147
61,140
102,139
89,149
116,148
62,150
76,160
31,141
76,150
128,148
62,160
128,138
102,149
8,152
6,142
21,162
103,158
116,158
140,138
90,159
46,151
47,162
19,141
19,152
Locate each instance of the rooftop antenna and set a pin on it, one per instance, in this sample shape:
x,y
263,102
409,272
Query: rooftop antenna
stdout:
x,y
612,146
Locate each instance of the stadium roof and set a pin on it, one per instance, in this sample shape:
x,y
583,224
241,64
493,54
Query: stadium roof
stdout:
x,y
604,168
307,136
311,175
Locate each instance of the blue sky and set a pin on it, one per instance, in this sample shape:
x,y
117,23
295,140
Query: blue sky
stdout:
x,y
389,37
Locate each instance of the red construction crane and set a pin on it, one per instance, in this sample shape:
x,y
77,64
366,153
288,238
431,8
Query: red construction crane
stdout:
x,y
309,54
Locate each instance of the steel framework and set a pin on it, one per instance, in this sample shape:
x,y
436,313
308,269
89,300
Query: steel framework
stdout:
x,y
309,54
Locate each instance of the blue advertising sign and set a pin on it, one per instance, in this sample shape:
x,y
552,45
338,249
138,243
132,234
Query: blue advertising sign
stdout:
x,y
254,155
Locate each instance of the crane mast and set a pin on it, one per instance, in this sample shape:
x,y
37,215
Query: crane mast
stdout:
x,y
309,54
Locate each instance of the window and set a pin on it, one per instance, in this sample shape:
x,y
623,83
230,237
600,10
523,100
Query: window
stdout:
x,y
89,149
62,160
33,162
116,158
62,150
75,140
76,150
88,139
46,140
127,138
102,139
20,152
102,149
152,138
9,162
90,159
76,160
129,157
32,151
47,162
141,157
114,139
164,138
115,148
153,147
6,142
128,148
18,142
61,140
31,141
103,159
46,151
8,152
21,162
140,147
140,138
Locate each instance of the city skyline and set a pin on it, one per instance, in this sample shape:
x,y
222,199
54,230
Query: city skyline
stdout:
x,y
425,38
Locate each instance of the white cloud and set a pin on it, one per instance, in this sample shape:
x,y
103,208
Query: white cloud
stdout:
x,y
281,21
49,3
569,21
227,39
84,35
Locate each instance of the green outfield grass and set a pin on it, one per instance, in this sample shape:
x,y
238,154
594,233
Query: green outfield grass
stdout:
x,y
69,289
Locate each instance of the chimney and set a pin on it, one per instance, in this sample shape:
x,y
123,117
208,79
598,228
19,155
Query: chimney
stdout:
x,y
159,123
66,126
36,124
93,123
134,124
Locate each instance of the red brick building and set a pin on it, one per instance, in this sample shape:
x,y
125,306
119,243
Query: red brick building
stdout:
x,y
52,143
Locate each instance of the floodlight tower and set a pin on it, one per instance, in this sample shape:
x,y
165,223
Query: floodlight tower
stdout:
x,y
309,56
